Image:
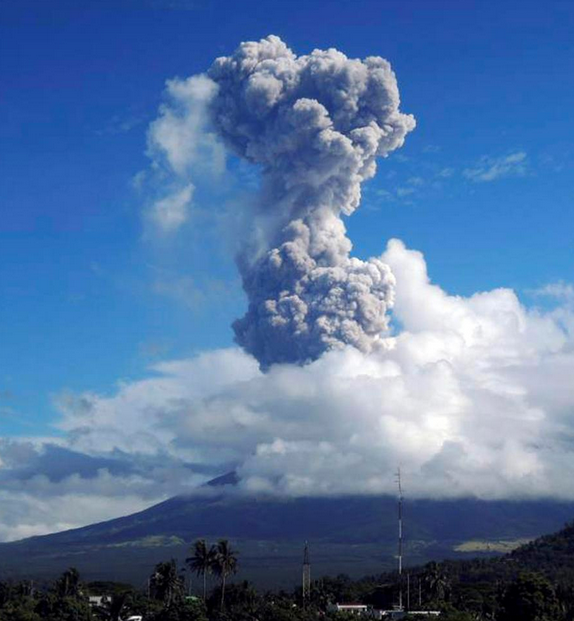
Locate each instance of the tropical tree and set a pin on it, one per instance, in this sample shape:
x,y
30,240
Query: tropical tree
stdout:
x,y
203,561
5,593
436,582
225,564
242,601
166,583
531,597
68,585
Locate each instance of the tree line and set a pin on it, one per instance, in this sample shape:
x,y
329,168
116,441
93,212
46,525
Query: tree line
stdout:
x,y
501,589
164,599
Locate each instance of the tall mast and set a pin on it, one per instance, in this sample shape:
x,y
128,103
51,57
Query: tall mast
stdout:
x,y
306,575
400,542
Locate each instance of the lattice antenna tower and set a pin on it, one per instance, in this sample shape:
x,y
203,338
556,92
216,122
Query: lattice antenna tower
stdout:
x,y
400,540
306,575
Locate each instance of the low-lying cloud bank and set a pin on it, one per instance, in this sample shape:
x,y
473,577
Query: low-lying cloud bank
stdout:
x,y
472,396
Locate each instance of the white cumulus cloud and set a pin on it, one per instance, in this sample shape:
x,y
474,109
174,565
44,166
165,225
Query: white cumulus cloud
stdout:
x,y
492,168
561,291
183,149
472,396
169,213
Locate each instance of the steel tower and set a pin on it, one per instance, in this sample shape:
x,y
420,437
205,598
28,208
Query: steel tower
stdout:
x,y
400,542
306,575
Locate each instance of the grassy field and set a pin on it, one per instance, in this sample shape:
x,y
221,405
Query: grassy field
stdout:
x,y
500,546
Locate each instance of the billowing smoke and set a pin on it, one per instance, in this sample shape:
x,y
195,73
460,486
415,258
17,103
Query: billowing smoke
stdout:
x,y
315,125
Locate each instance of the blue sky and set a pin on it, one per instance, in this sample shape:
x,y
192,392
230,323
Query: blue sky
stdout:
x,y
484,186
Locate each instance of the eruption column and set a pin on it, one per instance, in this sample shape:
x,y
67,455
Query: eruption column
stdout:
x,y
314,125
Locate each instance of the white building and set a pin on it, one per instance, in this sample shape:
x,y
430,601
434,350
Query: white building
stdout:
x,y
399,614
97,600
361,610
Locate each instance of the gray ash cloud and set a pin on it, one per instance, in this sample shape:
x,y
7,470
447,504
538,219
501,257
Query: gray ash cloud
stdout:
x,y
314,125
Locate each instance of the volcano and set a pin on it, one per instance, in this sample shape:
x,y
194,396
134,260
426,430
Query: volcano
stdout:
x,y
348,534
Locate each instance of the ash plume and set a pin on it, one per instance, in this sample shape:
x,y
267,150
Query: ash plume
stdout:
x,y
315,125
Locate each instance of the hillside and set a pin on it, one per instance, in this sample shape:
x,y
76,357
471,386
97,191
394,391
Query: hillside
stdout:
x,y
552,555
353,534
533,583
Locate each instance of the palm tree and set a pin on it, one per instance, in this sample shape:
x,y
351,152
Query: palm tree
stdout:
x,y
225,564
436,581
68,585
202,562
166,582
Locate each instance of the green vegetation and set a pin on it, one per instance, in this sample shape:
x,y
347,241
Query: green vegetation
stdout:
x,y
153,541
202,562
533,583
220,560
501,546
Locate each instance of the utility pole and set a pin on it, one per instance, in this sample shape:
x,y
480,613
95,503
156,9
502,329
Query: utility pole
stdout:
x,y
400,543
306,591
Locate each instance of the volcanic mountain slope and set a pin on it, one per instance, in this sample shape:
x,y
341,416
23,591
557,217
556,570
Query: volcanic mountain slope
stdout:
x,y
551,554
352,534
